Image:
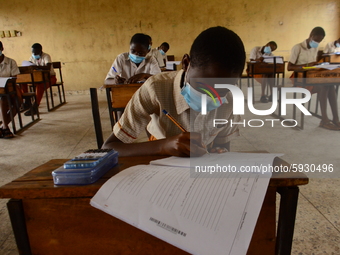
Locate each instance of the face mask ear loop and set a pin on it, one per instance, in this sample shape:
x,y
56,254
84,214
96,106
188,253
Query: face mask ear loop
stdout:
x,y
185,76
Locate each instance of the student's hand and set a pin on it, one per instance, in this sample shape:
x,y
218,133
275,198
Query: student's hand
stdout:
x,y
119,80
184,145
138,77
218,150
260,59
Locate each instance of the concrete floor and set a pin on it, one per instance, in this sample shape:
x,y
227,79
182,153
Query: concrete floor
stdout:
x,y
68,131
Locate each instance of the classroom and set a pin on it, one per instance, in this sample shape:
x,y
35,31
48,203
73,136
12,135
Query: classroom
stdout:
x,y
86,36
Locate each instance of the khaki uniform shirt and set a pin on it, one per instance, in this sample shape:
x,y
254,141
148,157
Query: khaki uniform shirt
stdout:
x,y
8,68
301,55
163,91
43,61
126,68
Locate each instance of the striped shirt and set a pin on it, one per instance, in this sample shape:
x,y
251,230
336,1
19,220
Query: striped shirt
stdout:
x,y
163,91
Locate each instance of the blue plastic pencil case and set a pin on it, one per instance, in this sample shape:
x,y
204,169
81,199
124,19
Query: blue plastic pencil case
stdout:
x,y
82,176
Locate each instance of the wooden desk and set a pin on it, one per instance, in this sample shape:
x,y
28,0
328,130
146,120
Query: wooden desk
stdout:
x,y
49,219
117,98
332,58
261,68
31,75
313,77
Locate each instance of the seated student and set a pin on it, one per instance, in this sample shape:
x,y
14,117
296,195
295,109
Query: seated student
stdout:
x,y
163,49
179,94
257,54
155,53
8,68
305,54
332,47
133,66
40,58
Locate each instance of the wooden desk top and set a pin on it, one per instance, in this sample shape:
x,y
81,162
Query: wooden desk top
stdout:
x,y
318,76
38,76
265,68
122,85
38,183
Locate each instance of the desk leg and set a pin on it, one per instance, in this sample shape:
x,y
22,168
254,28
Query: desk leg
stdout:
x,y
109,105
287,213
17,216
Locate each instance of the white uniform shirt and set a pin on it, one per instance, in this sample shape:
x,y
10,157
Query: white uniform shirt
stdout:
x,y
157,55
256,53
8,68
124,67
301,55
331,48
43,61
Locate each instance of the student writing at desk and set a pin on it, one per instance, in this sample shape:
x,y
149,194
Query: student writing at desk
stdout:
x,y
179,94
304,55
332,47
133,66
8,68
155,53
163,49
257,54
40,58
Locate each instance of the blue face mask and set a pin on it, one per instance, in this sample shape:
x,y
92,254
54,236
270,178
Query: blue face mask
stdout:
x,y
313,44
337,45
267,50
36,56
0,52
149,47
136,59
194,97
162,52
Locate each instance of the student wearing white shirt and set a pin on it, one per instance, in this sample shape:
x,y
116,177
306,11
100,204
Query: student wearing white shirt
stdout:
x,y
163,49
133,66
40,58
8,68
155,53
304,54
332,47
257,54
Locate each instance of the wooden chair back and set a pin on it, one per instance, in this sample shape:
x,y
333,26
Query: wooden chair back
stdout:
x,y
57,65
121,94
170,57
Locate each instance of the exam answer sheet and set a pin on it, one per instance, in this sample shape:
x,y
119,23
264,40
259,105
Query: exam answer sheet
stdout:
x,y
199,213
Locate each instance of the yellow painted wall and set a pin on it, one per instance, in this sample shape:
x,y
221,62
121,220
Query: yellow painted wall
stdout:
x,y
87,35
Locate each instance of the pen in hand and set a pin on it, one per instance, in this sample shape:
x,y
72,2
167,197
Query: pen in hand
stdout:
x,y
180,126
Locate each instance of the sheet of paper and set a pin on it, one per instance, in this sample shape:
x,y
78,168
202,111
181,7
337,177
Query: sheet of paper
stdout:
x,y
238,159
199,214
327,66
270,59
3,81
170,64
27,63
